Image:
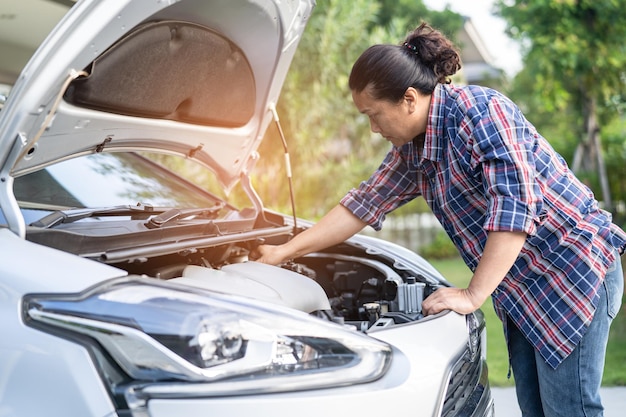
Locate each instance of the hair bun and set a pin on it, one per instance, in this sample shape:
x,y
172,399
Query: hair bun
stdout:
x,y
435,51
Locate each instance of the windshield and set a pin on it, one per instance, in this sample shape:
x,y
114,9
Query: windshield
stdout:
x,y
106,180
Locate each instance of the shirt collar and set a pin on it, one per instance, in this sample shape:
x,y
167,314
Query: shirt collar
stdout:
x,y
433,141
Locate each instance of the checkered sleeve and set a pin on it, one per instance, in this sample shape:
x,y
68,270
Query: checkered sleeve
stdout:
x,y
504,147
390,187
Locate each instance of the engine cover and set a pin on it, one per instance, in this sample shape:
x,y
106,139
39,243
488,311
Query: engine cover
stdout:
x,y
261,282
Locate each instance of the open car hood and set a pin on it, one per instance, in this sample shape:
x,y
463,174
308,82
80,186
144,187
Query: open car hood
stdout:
x,y
192,77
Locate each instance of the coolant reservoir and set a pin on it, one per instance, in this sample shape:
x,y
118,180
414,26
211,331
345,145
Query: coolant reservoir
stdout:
x,y
414,295
260,282
409,295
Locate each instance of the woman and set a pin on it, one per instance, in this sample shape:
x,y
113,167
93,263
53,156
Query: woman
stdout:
x,y
530,231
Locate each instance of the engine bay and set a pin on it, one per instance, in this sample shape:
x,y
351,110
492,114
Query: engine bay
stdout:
x,y
345,284
363,292
349,289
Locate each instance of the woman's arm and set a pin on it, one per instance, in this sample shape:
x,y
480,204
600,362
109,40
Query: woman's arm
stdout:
x,y
501,251
336,226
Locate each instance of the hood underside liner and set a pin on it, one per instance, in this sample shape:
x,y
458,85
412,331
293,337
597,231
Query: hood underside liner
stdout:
x,y
171,70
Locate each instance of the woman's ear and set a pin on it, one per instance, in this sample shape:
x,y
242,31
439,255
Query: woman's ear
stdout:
x,y
410,97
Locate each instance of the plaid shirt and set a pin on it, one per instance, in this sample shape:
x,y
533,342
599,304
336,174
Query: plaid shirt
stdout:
x,y
485,168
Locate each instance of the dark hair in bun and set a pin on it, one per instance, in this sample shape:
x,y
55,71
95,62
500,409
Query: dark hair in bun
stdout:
x,y
425,58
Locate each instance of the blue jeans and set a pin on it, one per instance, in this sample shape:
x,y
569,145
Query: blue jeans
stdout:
x,y
573,389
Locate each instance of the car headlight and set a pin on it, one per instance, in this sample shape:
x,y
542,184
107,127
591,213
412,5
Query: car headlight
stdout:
x,y
475,326
163,333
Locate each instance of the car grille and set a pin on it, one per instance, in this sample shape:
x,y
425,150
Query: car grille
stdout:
x,y
466,388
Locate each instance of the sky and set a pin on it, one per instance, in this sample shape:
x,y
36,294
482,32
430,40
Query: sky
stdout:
x,y
504,51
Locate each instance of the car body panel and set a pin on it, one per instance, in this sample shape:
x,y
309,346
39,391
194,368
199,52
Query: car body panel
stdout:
x,y
65,272
42,374
47,375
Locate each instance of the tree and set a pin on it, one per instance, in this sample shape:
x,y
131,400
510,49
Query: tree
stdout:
x,y
412,13
575,52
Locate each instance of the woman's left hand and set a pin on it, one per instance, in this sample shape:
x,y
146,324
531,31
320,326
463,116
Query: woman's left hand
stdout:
x,y
501,251
456,299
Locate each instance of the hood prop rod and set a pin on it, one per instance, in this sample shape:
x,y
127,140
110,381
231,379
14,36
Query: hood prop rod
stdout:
x,y
287,166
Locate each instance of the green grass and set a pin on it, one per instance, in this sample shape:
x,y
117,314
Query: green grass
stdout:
x,y
458,274
615,366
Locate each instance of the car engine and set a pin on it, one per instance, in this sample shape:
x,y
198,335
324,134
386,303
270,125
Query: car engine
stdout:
x,y
345,283
346,289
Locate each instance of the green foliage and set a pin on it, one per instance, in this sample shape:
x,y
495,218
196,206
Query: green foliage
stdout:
x,y
573,84
613,139
615,368
440,248
579,43
558,120
408,14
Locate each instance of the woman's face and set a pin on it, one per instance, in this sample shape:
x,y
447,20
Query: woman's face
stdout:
x,y
397,122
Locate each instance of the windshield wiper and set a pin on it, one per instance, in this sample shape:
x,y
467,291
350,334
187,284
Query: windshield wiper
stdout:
x,y
162,215
71,215
178,214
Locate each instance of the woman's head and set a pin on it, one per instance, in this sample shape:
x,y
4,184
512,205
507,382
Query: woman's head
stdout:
x,y
425,59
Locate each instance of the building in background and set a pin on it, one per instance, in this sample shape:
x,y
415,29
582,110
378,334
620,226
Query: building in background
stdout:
x,y
478,64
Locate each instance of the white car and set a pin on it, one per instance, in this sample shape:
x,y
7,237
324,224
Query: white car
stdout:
x,y
126,289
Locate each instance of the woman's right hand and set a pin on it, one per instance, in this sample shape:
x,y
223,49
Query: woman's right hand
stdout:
x,y
268,254
335,227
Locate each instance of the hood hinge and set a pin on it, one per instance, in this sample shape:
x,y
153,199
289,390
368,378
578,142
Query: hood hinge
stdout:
x,y
104,143
50,116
